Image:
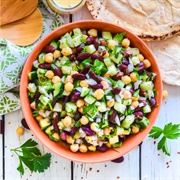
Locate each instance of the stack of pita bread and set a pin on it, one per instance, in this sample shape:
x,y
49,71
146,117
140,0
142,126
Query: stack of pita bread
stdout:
x,y
157,22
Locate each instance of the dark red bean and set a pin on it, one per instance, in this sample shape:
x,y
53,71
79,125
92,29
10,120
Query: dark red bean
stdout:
x,y
49,49
37,95
104,52
103,42
79,76
125,62
55,122
56,70
24,123
73,57
75,95
85,69
66,99
138,114
90,40
116,90
96,44
73,130
95,77
77,115
96,56
82,56
118,160
88,131
103,148
44,66
141,67
142,92
97,86
118,76
152,102
80,48
123,67
112,116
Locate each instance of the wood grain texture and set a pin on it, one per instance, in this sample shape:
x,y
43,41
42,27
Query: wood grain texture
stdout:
x,y
14,10
60,168
25,31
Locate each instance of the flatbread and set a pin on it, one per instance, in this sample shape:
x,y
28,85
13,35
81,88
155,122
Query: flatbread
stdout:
x,y
167,54
149,19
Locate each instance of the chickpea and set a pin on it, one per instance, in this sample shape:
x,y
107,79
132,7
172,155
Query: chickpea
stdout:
x,y
80,103
98,94
106,75
56,136
93,32
84,120
73,72
56,79
165,94
39,118
80,110
92,148
74,147
110,103
111,44
83,83
105,85
90,139
33,105
49,74
70,140
135,129
20,131
66,51
127,94
69,79
107,131
56,54
125,42
126,79
68,87
48,58
83,148
133,77
135,104
67,121
147,63
94,127
84,36
141,57
108,145
135,98
106,55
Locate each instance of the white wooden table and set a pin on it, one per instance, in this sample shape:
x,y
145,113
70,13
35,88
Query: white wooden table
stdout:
x,y
142,163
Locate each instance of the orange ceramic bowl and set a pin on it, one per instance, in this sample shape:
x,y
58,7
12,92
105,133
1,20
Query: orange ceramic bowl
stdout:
x,y
61,148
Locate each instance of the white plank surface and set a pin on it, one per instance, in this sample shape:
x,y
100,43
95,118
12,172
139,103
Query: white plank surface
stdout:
x,y
155,164
59,168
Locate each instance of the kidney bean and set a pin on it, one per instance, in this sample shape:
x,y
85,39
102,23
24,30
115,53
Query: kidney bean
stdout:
x,y
103,148
56,70
63,136
96,56
97,86
138,114
141,67
24,123
118,160
82,56
79,76
73,130
45,66
48,49
116,90
152,102
88,131
55,122
37,95
123,67
113,115
95,77
64,102
104,52
90,40
103,42
142,92
125,62
73,57
118,76
96,44
80,48
77,115
85,69
75,96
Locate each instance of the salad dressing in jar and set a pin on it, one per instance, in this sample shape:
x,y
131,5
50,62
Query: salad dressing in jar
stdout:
x,y
65,6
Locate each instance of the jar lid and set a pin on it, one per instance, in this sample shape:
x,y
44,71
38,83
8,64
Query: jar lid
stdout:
x,y
65,6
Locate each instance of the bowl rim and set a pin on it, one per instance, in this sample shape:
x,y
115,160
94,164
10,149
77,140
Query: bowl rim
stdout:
x,y
40,135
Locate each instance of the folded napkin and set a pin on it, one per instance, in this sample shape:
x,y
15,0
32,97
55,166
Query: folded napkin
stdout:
x,y
13,57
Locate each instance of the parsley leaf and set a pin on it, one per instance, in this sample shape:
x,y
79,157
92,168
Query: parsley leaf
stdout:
x,y
31,156
170,131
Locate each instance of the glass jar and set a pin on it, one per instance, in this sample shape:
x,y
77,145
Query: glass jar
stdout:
x,y
65,6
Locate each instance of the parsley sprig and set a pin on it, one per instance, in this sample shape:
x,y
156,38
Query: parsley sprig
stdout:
x,y
170,131
31,156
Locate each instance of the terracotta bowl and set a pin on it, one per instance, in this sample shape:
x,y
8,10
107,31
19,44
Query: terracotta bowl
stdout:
x,y
60,148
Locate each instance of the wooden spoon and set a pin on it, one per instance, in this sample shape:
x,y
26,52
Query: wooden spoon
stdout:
x,y
13,10
25,31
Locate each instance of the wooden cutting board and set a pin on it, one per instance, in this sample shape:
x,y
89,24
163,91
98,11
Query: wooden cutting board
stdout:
x,y
24,31
13,10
